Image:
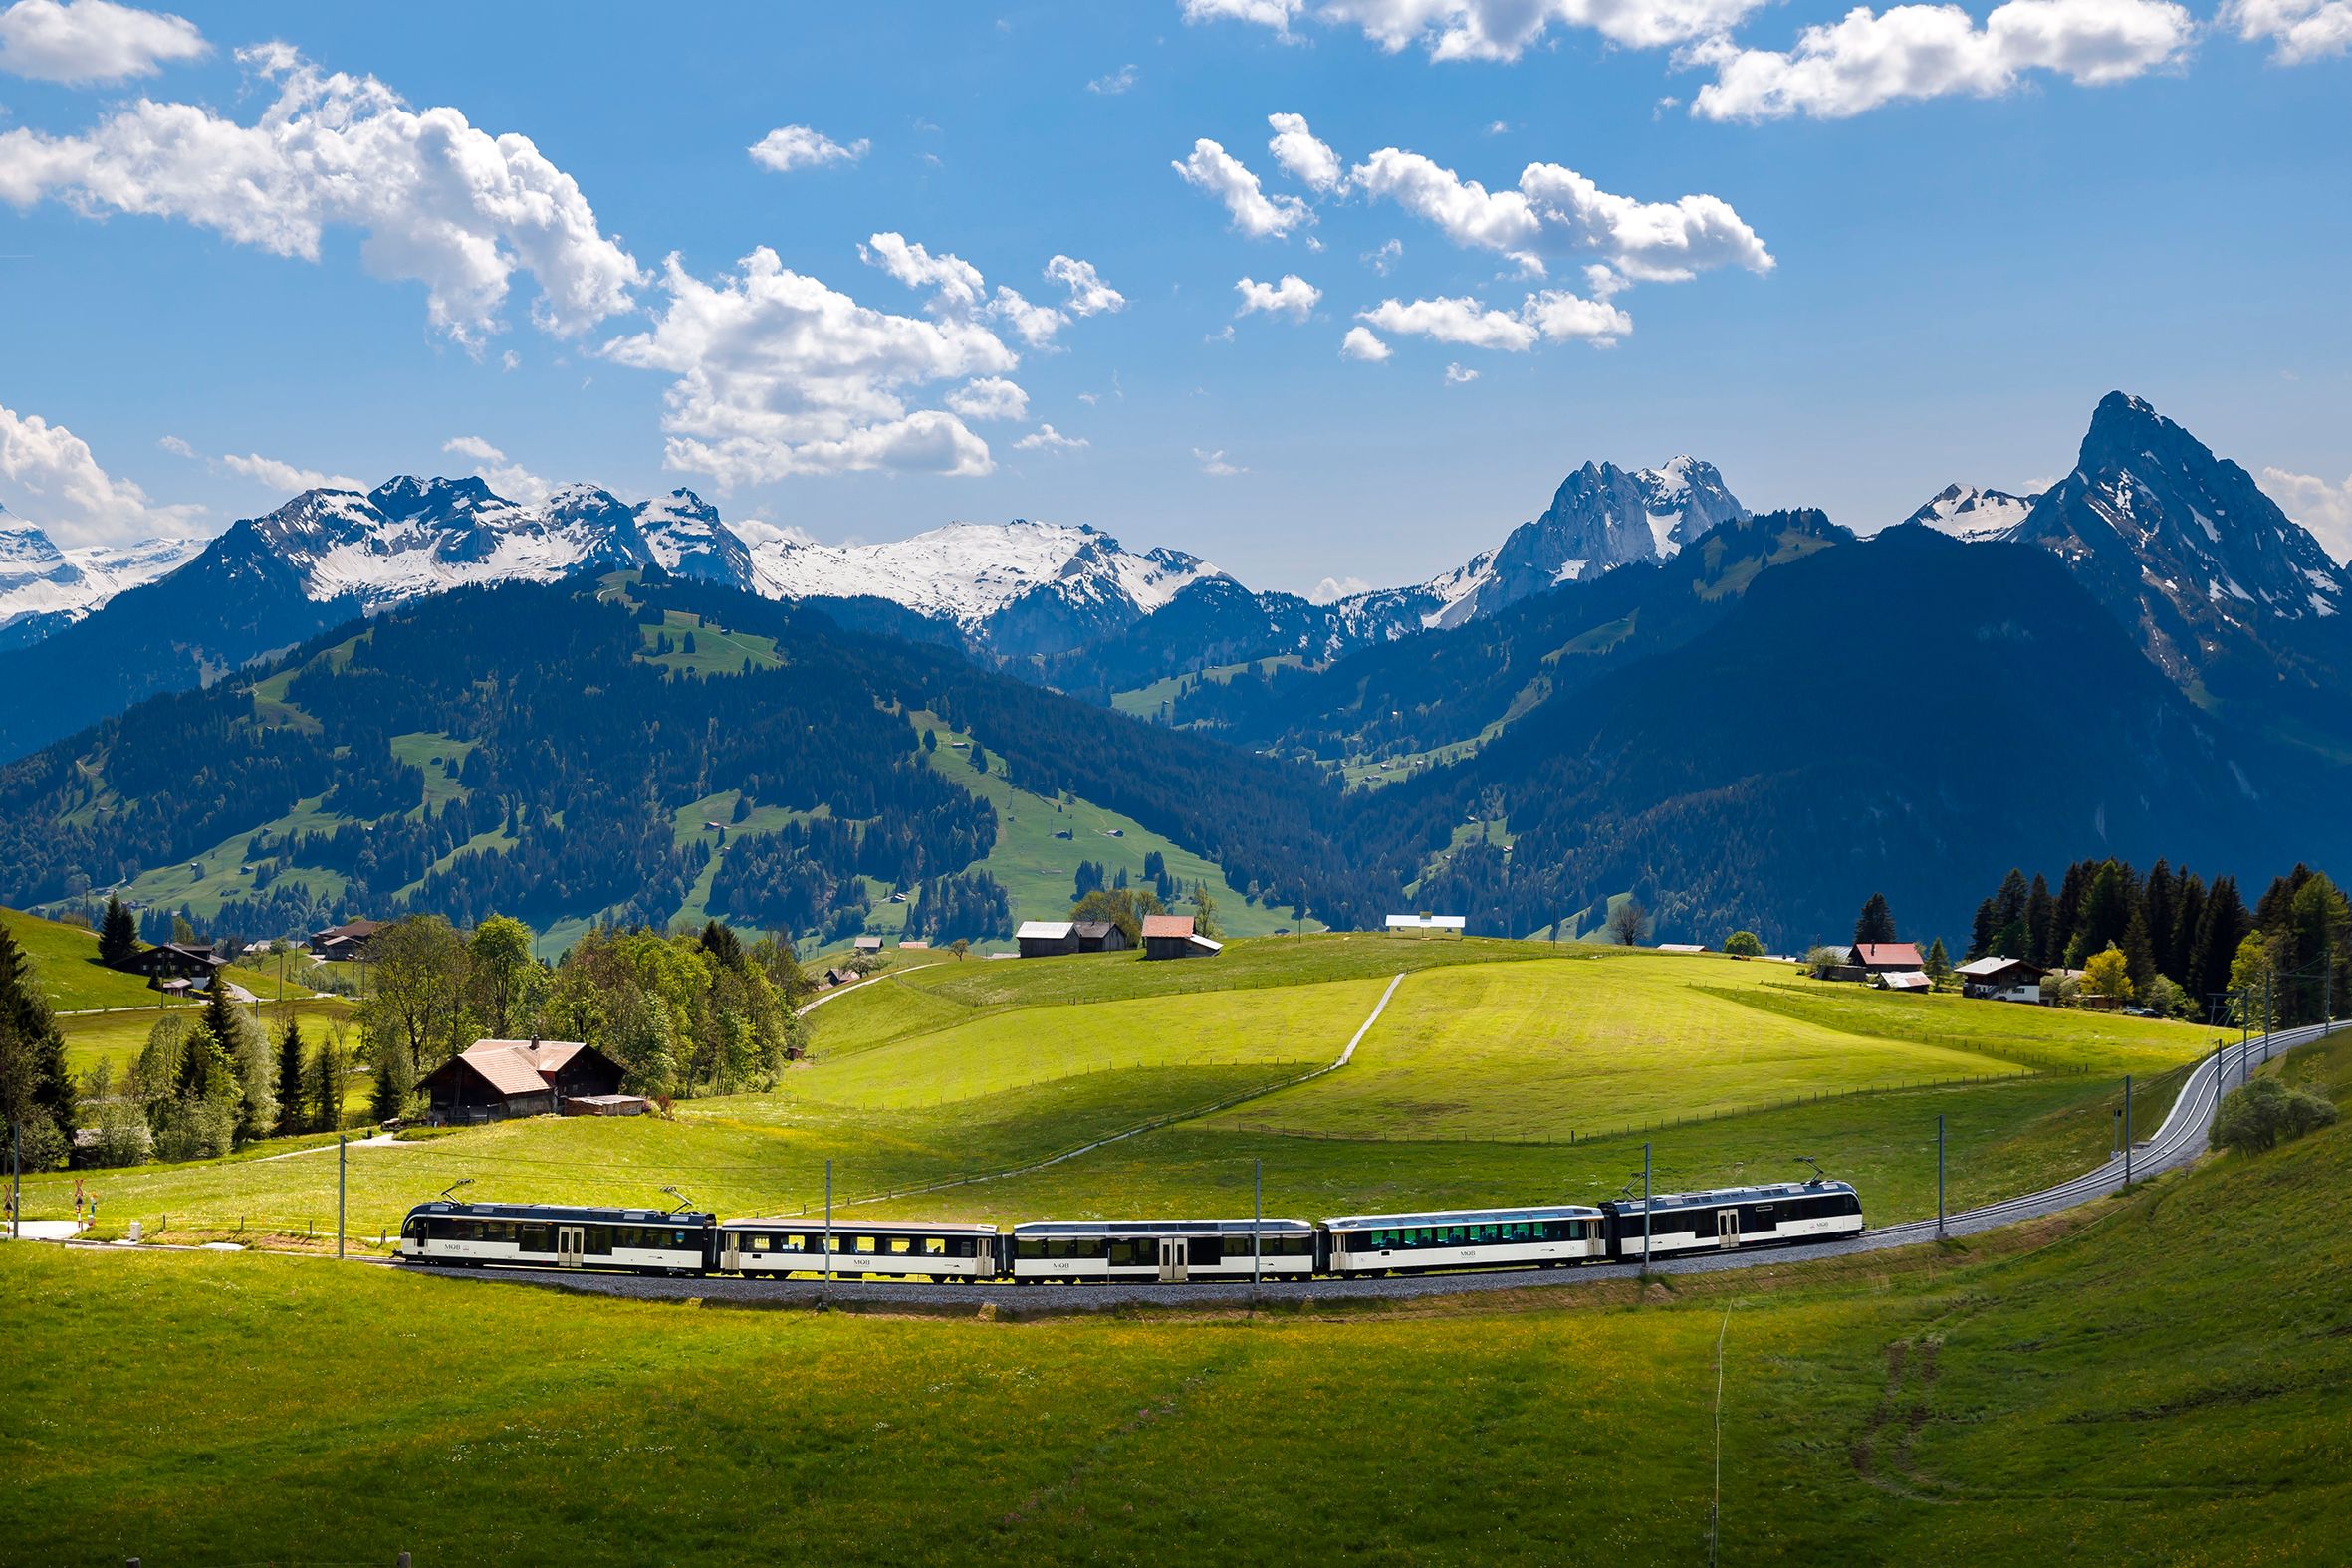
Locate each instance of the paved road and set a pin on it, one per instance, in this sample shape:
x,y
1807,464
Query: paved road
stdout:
x,y
2178,1141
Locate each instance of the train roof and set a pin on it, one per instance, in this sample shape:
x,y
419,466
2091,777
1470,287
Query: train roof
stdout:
x,y
1092,1229
1463,1216
861,1227
1719,1197
561,1211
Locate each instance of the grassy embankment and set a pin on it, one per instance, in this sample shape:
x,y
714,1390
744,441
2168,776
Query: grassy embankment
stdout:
x,y
1491,1057
2167,1379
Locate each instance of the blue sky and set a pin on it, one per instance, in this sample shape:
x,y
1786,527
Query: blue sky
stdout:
x,y
1976,222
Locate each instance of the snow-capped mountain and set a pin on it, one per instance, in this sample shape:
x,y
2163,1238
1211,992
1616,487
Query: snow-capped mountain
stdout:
x,y
42,587
1601,518
1024,587
1974,516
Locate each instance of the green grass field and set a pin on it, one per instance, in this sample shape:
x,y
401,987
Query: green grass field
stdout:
x,y
2163,1379
1148,701
717,651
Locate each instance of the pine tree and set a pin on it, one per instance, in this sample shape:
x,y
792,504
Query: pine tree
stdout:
x,y
325,1091
1982,931
2158,897
2065,912
396,1080
1939,960
2139,954
2218,936
2040,909
2178,955
290,1079
118,935
36,1090
1876,922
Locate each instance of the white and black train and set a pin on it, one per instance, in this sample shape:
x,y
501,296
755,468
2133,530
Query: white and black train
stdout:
x,y
1166,1252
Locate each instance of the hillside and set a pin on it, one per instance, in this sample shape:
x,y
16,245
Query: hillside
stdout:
x,y
1976,1402
554,751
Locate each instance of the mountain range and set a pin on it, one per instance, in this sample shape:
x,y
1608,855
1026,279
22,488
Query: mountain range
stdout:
x,y
44,589
1740,718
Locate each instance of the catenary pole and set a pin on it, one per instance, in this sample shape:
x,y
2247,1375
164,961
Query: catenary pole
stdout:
x,y
343,1167
2127,1129
1256,1224
1938,1176
829,1230
16,1180
1645,1211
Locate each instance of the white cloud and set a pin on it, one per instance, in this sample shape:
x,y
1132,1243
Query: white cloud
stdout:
x,y
1460,375
511,480
439,201
509,360
1214,464
1498,127
1557,212
1868,58
1034,325
1221,174
790,147
1294,297
1332,590
1089,294
990,397
1360,344
1492,29
49,476
1044,438
2299,30
778,374
1295,148
1115,83
285,478
84,40
1383,261
1453,321
1223,334
2324,509
956,285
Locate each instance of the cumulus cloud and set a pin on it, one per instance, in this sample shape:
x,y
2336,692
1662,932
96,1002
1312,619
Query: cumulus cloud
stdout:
x,y
49,476
1868,58
1460,375
1113,85
1552,315
1360,344
78,41
1332,590
1089,294
1491,29
1294,297
1044,438
778,374
990,397
2298,30
956,286
1557,212
439,201
1214,464
2324,509
511,480
1383,261
286,478
1310,163
1213,169
790,147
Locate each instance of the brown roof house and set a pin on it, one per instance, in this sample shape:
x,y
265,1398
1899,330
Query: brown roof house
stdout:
x,y
1172,937
191,962
347,941
1885,958
491,1080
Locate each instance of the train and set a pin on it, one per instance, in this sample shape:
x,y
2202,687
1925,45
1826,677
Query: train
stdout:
x,y
682,1241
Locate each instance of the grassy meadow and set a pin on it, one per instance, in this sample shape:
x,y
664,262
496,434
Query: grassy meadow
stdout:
x,y
2161,1379
1499,1073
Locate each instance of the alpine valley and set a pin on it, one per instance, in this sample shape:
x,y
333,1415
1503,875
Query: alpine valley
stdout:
x,y
429,697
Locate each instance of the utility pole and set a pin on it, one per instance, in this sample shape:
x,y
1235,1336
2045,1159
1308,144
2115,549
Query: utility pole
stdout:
x,y
1256,1226
1645,1211
343,1167
16,1180
2127,1129
828,1290
2269,1009
1939,1178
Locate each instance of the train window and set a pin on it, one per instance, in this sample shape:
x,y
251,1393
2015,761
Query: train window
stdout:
x,y
1025,1246
759,1243
935,1247
597,1240
535,1239
901,1245
864,1244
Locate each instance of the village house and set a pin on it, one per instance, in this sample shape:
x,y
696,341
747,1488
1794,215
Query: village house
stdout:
x,y
1997,979
345,943
491,1080
1885,958
1172,937
192,964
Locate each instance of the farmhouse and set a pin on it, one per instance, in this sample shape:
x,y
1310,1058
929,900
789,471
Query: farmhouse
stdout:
x,y
491,1080
193,964
867,943
1999,978
1902,979
347,941
1882,958
1100,936
1172,937
1046,938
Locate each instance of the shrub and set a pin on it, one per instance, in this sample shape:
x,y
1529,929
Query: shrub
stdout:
x,y
1744,943
2266,1113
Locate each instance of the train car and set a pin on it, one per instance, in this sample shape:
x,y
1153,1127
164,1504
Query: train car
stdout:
x,y
1462,1238
1726,1219
868,1250
1170,1252
545,1236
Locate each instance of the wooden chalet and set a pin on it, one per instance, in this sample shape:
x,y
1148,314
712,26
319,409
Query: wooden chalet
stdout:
x,y
191,963
1100,936
1997,979
1172,937
345,942
1046,938
491,1080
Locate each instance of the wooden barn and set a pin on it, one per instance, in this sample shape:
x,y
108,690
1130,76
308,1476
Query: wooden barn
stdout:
x,y
1100,936
1046,938
1172,937
491,1080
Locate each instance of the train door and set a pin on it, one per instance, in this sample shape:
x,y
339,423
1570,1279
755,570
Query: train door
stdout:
x,y
1172,1264
569,1246
1727,1227
731,1255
